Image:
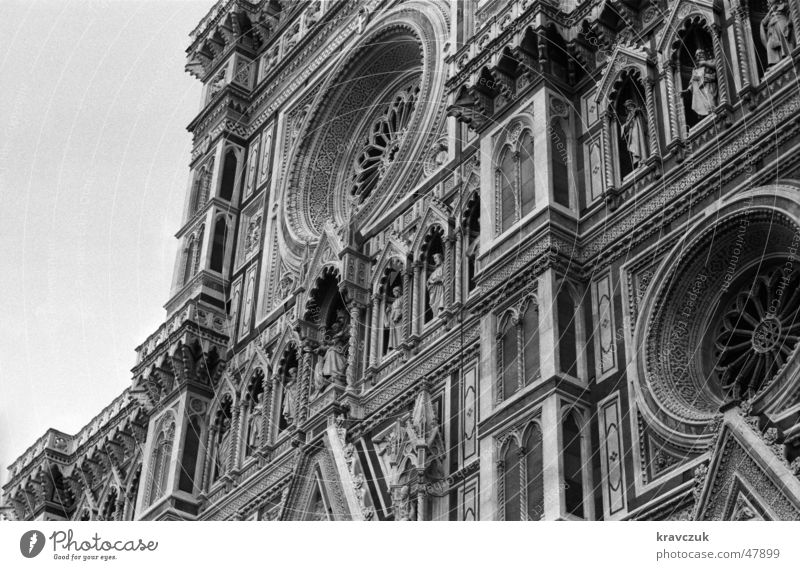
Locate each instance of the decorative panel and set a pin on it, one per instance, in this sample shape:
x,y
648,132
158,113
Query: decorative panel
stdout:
x,y
605,332
470,416
613,468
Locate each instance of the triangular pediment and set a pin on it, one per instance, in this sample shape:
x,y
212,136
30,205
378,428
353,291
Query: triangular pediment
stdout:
x,y
435,214
625,57
744,472
677,14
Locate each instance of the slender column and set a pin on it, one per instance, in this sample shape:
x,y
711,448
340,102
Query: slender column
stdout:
x,y
422,495
520,351
739,17
418,312
375,334
352,361
523,484
448,270
672,100
408,294
607,150
236,422
459,265
719,63
651,117
266,411
305,382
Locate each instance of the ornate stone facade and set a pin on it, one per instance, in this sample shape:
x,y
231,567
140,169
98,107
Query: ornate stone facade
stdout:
x,y
490,260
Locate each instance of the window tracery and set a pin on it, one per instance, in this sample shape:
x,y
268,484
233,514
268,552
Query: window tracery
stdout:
x,y
515,179
518,353
383,142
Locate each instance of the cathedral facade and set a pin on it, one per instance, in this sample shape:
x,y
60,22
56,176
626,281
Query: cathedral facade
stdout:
x,y
487,260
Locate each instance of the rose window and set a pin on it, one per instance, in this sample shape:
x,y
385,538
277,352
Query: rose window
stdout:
x,y
758,332
383,143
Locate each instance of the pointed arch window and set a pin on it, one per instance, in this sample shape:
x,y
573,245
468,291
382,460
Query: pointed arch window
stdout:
x,y
228,184
573,465
506,181
160,462
515,181
512,496
530,340
218,245
508,352
527,181
534,473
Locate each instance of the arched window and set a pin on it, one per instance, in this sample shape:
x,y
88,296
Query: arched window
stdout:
x,y
573,465
159,470
559,146
509,359
471,236
228,184
511,482
567,314
534,473
191,448
527,179
506,180
218,245
188,259
530,341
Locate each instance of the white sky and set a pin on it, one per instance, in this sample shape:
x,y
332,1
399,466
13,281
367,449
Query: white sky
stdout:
x,y
94,159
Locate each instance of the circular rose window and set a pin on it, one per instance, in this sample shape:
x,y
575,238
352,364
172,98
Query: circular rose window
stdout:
x,y
757,332
719,319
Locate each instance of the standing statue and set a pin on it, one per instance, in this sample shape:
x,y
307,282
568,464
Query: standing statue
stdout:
x,y
254,424
703,84
223,448
319,377
394,317
435,285
777,34
290,396
335,364
634,131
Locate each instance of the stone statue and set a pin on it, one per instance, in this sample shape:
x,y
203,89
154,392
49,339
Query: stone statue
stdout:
x,y
404,507
435,285
223,447
335,363
254,424
777,34
290,396
634,131
394,317
703,84
319,377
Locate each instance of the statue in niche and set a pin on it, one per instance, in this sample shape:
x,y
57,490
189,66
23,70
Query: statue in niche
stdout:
x,y
289,410
223,447
435,285
394,317
404,507
254,423
634,132
703,84
776,31
319,377
336,342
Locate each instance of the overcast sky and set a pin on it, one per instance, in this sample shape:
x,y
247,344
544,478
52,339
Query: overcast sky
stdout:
x,y
94,159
